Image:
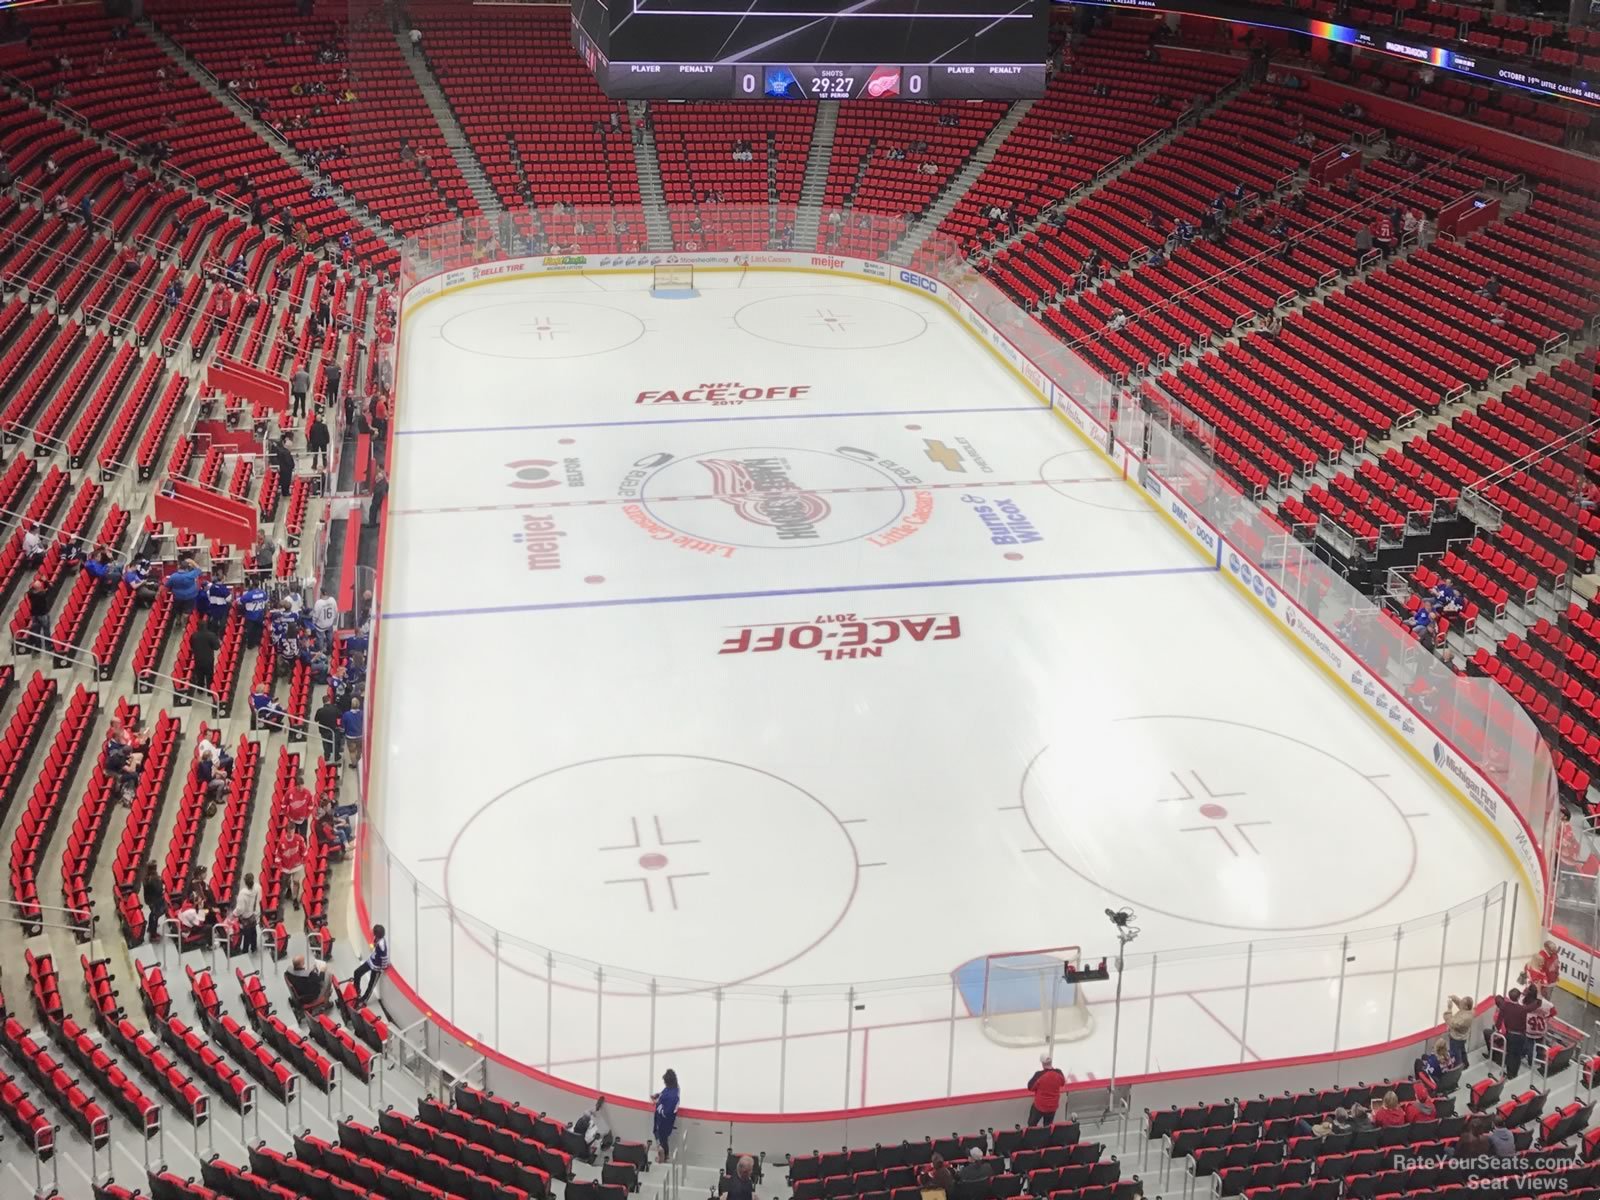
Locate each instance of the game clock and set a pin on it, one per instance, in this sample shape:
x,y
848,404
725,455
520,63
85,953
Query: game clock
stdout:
x,y
819,81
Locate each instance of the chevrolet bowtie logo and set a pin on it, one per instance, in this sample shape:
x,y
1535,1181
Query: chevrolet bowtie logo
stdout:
x,y
947,458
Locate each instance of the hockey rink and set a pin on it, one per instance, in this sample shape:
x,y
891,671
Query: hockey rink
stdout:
x,y
778,642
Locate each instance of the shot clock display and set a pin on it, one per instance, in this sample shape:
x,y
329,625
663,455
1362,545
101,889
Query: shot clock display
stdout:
x,y
814,49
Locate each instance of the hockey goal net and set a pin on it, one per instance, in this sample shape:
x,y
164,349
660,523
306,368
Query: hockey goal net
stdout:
x,y
672,277
1023,998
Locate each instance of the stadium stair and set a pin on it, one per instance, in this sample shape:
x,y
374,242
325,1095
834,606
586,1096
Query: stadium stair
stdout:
x,y
815,186
1152,146
648,165
454,136
905,250
352,208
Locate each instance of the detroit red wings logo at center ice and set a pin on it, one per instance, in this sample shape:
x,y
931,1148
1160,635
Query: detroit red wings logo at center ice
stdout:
x,y
761,492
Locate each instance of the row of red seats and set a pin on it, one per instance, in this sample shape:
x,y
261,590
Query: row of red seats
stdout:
x,y
295,1048
141,1049
235,823
38,822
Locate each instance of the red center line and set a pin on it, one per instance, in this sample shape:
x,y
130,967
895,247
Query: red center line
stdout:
x,y
964,486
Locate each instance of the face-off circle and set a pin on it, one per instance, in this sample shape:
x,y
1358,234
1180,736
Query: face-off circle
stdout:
x,y
773,497
633,858
1080,475
831,321
1218,822
542,330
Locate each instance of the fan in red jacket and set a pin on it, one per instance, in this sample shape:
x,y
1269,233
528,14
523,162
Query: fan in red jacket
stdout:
x,y
1046,1085
1545,967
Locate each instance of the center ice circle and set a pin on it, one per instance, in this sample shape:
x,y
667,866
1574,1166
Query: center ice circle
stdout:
x,y
542,330
774,497
838,320
629,861
1218,822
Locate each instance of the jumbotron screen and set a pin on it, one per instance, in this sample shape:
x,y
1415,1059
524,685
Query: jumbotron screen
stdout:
x,y
814,49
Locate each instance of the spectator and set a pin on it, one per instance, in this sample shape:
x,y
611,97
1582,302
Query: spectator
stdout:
x,y
936,1177
1119,319
1446,597
1363,241
1383,233
1046,1085
324,616
33,547
1544,968
977,1168
594,1127
373,966
268,712
332,376
247,912
298,804
1474,1140
380,492
326,720
1491,288
309,985
1502,1141
332,829
666,1115
184,584
1390,1113
1513,1018
252,603
219,602
318,440
154,894
291,863
283,459
741,1184
1458,1021
1537,1022
41,595
203,646
351,725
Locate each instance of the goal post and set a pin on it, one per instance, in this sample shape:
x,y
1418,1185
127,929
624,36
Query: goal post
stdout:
x,y
671,279
1022,998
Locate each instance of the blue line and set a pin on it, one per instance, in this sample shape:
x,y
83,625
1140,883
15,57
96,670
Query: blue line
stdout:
x,y
886,412
811,591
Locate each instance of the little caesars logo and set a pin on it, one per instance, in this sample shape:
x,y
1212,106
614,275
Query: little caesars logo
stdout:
x,y
540,541
762,493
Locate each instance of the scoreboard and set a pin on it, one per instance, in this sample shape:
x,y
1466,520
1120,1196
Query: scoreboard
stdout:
x,y
814,49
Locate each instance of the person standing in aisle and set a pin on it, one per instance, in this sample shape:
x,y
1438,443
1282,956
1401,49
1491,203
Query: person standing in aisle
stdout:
x,y
1458,1021
253,604
666,1117
332,376
352,724
324,616
154,894
1046,1085
247,911
203,646
380,492
373,966
299,385
317,441
327,722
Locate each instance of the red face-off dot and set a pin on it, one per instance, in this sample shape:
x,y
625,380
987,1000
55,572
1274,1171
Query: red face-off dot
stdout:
x,y
567,441
652,861
1215,811
594,578
1013,556
913,428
